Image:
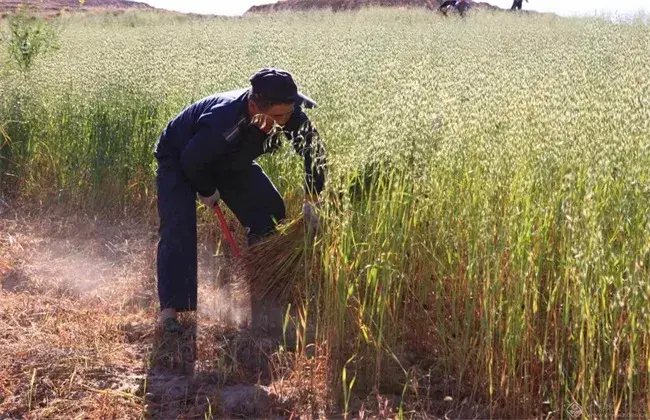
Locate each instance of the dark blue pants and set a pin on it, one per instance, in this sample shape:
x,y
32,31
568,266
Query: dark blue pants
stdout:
x,y
250,195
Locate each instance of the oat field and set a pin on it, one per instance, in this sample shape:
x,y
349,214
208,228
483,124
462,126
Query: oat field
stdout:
x,y
486,223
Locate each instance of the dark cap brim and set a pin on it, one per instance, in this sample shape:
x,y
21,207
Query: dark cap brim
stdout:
x,y
307,102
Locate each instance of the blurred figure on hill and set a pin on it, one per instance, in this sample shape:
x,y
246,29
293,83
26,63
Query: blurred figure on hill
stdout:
x,y
208,152
446,6
460,6
517,4
463,6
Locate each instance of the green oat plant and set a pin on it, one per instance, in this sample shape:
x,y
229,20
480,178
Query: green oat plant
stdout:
x,y
28,37
486,226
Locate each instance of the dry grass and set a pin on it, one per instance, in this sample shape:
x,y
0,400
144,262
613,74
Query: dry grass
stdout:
x,y
77,335
74,321
275,268
60,360
299,383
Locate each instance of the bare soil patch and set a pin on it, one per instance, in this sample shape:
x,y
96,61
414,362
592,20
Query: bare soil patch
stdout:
x,y
78,337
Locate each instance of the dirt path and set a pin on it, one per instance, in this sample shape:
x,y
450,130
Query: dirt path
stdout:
x,y
78,339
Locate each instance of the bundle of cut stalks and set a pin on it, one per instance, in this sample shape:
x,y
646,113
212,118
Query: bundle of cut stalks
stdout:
x,y
278,267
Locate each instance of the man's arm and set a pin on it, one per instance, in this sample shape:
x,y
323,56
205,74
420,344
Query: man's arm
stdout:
x,y
201,155
308,144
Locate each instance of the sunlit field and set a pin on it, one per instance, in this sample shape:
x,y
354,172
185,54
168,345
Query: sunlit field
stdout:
x,y
486,221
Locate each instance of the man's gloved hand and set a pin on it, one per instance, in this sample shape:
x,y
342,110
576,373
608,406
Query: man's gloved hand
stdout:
x,y
310,213
263,122
211,200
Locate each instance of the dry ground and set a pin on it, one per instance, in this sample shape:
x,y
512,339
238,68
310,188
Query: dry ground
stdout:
x,y
78,338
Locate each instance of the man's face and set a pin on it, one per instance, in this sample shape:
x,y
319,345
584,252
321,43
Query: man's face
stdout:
x,y
280,113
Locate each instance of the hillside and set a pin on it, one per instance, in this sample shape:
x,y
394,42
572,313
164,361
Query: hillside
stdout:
x,y
337,5
50,6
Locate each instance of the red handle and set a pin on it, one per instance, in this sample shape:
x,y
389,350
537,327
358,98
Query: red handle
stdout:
x,y
226,231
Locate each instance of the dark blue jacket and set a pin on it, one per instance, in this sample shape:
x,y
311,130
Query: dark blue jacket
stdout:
x,y
213,139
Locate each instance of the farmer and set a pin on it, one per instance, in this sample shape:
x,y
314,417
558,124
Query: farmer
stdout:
x,y
517,4
209,151
461,6
446,5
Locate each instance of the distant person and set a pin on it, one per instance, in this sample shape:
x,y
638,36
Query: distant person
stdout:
x,y
208,151
517,4
463,6
460,6
446,5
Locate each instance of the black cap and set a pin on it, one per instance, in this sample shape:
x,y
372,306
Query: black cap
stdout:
x,y
275,86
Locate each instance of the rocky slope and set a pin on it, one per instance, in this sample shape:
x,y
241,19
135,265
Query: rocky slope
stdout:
x,y
337,5
49,6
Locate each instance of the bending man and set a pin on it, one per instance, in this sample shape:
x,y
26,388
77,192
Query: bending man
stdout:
x,y
209,150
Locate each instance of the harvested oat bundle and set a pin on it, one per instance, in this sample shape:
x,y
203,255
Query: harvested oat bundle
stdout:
x,y
278,267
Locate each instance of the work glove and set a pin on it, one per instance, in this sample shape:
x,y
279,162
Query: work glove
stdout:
x,y
211,200
310,215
